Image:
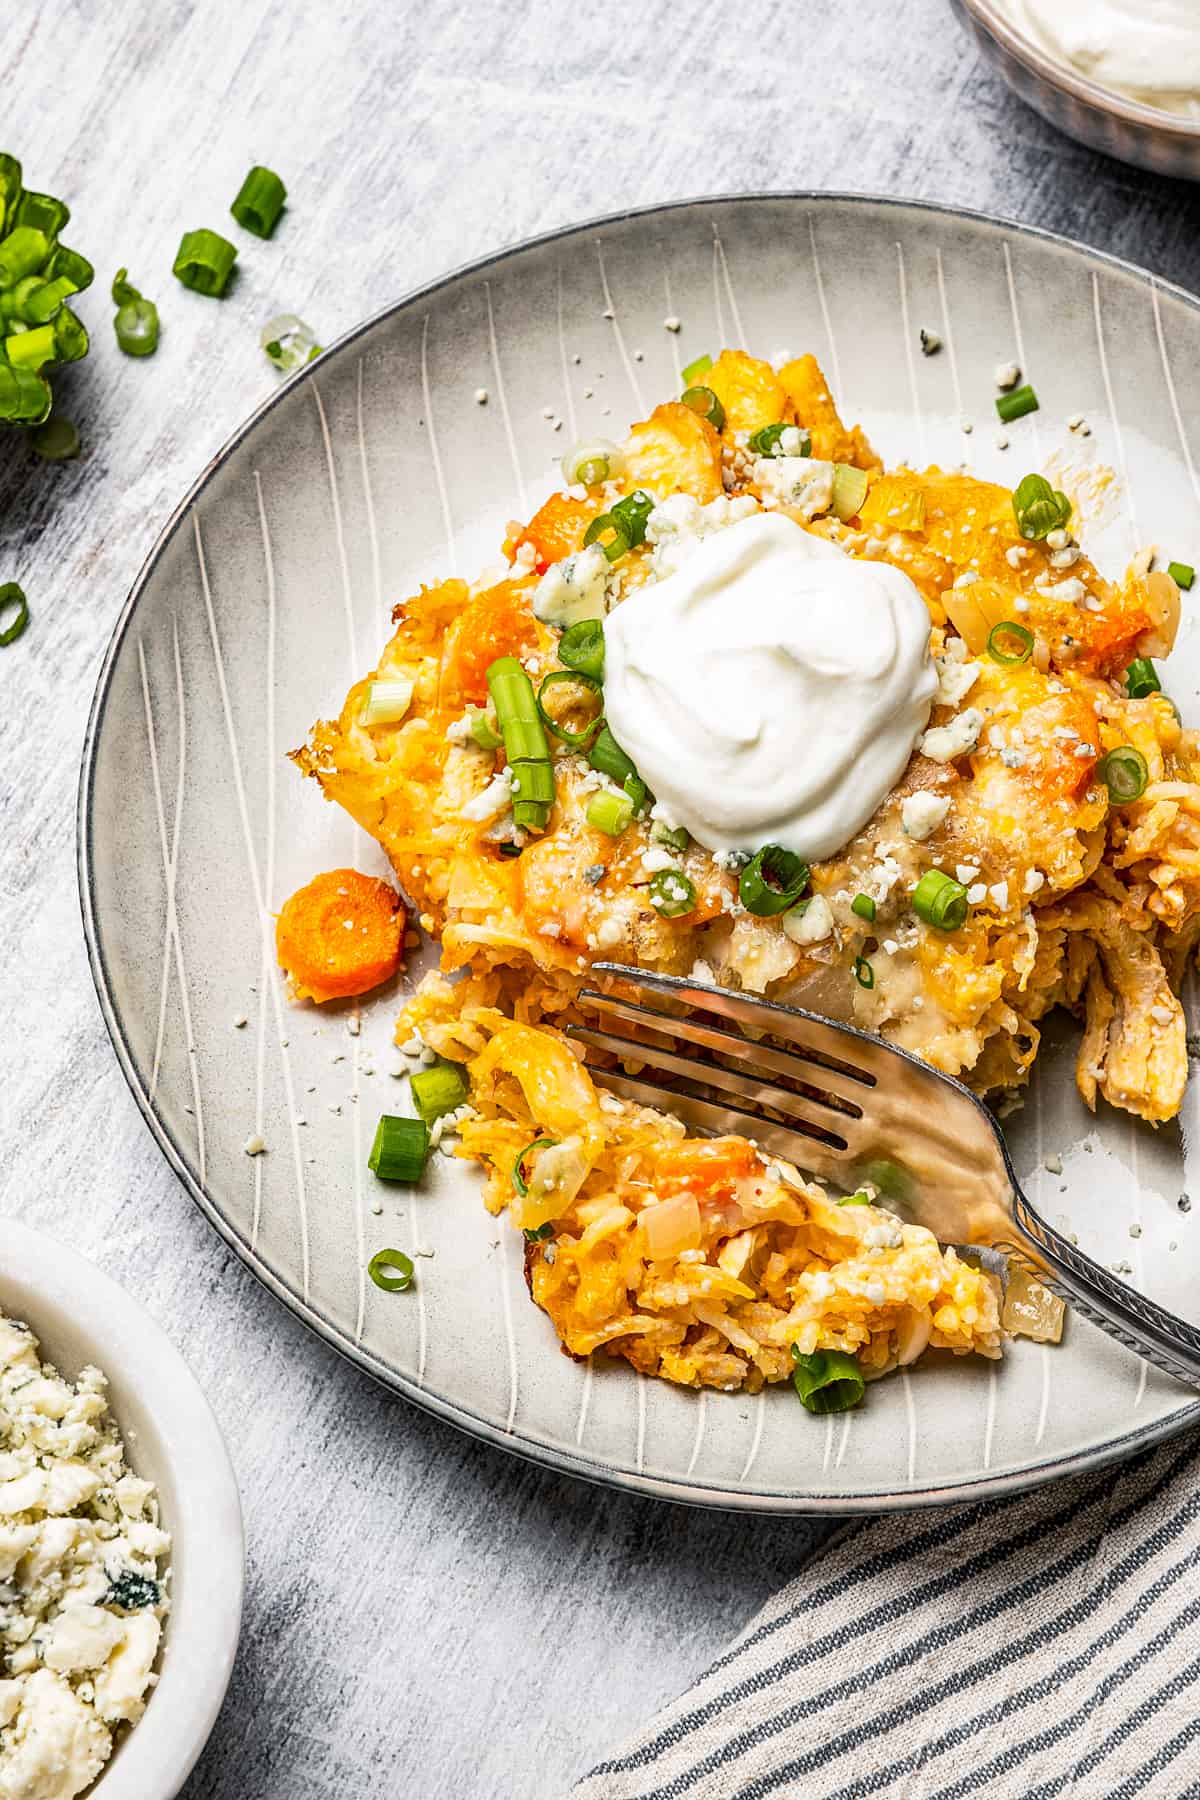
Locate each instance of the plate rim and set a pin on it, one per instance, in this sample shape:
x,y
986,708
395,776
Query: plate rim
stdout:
x,y
559,1459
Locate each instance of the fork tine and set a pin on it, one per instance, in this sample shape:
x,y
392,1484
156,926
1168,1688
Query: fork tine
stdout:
x,y
821,1041
796,1065
802,1109
795,1144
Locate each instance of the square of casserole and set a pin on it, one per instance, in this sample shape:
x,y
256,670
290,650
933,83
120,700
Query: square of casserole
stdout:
x,y
1074,900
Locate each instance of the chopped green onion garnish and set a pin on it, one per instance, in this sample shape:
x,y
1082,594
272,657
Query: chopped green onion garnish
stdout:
x,y
607,756
400,1149
136,323
1016,404
11,595
1039,508
631,515
1009,643
1141,678
864,974
538,1234
518,1169
23,252
607,531
204,262
702,400
864,906
259,202
940,900
439,1090
672,894
675,837
55,441
31,349
772,881
591,463
387,701
849,490
482,732
581,647
829,1381
524,741
768,440
856,1199
1182,574
581,691
33,301
695,370
1125,774
288,342
396,1261
610,813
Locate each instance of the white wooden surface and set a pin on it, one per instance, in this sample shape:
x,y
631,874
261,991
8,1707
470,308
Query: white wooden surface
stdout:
x,y
424,1615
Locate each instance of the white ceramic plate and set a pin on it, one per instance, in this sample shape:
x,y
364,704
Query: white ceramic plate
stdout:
x,y
80,1316
270,590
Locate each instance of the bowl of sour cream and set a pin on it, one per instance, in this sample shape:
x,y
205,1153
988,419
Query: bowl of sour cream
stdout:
x,y
1120,75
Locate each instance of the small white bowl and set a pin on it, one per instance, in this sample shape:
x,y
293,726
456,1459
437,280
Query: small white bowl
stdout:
x,y
80,1316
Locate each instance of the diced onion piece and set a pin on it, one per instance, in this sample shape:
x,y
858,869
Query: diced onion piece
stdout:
x,y
387,701
671,1226
849,490
975,611
1030,1309
913,1331
591,462
558,1172
1163,605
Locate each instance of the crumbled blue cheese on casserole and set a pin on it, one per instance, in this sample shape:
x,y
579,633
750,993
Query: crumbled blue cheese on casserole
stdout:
x,y
83,1586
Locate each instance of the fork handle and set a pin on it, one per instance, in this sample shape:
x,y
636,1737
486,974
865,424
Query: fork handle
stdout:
x,y
1168,1342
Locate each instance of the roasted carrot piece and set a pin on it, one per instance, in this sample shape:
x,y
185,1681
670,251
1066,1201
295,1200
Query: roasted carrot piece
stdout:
x,y
557,528
340,935
709,1167
496,623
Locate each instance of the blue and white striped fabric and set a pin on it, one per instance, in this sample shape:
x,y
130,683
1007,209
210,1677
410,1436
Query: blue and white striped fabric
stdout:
x,y
1032,1648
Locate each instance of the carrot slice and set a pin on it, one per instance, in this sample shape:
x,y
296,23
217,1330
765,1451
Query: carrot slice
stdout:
x,y
495,623
707,1166
340,935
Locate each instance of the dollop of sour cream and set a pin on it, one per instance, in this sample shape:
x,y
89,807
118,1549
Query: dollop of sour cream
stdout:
x,y
771,690
1146,49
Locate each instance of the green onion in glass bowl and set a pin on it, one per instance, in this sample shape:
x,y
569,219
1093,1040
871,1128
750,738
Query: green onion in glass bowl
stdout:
x,y
37,275
591,462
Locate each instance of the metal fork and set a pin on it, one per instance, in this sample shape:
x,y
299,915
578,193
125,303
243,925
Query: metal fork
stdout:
x,y
849,1108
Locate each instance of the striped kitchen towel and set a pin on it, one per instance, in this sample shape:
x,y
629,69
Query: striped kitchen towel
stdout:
x,y
1020,1648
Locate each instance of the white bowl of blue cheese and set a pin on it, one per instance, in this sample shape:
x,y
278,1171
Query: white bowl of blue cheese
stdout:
x,y
121,1545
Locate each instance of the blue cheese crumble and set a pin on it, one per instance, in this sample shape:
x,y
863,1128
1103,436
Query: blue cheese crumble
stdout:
x,y
83,1587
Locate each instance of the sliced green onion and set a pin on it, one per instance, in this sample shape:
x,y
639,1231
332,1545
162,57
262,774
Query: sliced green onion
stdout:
x,y
538,1234
849,490
1016,404
25,397
769,440
695,370
34,301
579,737
864,974
672,894
518,1169
940,900
524,741
439,1090
1010,644
675,837
395,1261
607,756
607,531
136,323
41,212
1039,508
55,441
482,732
610,813
631,515
581,647
1182,574
772,881
828,1381
31,349
400,1149
387,701
702,400
67,265
204,262
11,595
856,1199
289,343
259,202
592,462
1141,678
1125,774
864,906
23,252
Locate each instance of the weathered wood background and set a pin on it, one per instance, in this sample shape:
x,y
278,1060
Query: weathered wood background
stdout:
x,y
425,1616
